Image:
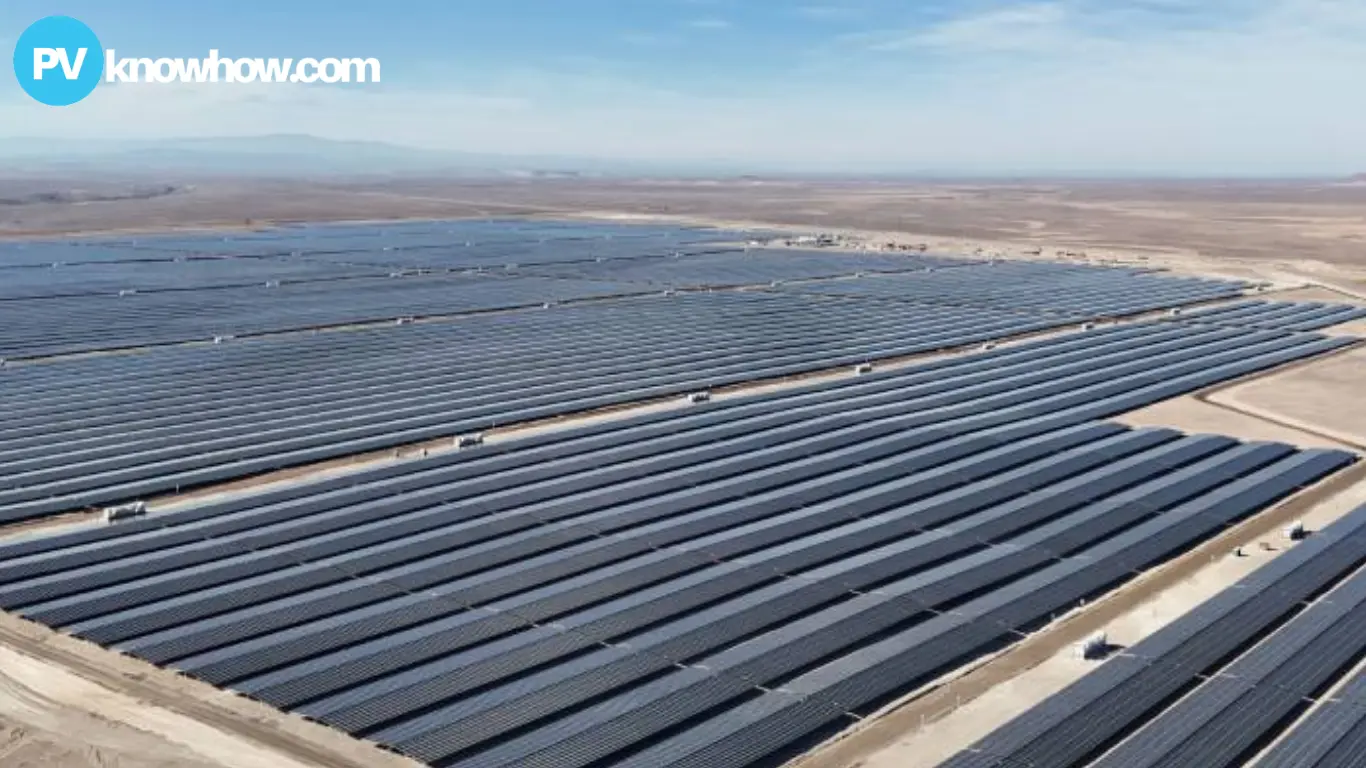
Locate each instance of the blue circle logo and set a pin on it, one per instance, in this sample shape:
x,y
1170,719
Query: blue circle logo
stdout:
x,y
58,60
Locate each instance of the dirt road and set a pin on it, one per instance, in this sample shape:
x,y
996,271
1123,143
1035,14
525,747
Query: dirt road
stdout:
x,y
129,714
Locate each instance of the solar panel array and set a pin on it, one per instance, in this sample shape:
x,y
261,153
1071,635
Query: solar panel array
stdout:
x,y
73,297
45,253
157,271
756,267
512,255
94,430
367,239
706,586
1034,287
716,585
111,278
45,327
1289,315
1215,687
85,308
64,297
396,237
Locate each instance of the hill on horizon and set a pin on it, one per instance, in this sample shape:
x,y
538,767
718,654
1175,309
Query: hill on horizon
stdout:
x,y
301,154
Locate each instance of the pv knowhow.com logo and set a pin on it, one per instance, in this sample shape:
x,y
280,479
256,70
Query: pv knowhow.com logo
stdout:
x,y
59,61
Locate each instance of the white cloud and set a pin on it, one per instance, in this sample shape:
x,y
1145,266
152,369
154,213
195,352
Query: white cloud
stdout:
x,y
1027,27
709,23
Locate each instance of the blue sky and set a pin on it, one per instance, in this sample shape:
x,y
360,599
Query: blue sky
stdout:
x,y
1240,87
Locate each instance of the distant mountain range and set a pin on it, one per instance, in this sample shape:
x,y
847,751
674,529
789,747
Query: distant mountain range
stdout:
x,y
297,155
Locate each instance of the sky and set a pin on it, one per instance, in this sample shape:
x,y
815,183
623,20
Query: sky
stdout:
x,y
1143,87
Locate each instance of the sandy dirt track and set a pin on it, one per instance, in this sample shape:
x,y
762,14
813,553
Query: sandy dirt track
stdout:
x,y
66,703
43,705
1191,414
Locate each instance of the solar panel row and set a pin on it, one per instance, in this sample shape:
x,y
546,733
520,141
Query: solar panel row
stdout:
x,y
82,308
1287,315
532,256
55,326
186,275
1034,287
755,267
709,585
1176,699
339,240
180,272
336,241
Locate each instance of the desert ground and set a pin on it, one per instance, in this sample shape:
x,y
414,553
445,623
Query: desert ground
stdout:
x,y
1267,221
1290,232
1307,239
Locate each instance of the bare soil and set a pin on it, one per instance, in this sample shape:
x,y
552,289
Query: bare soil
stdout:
x,y
66,703
1324,397
1260,221
1192,414
1318,293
